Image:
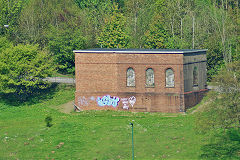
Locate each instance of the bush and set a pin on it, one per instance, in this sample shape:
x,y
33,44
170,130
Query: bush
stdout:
x,y
221,115
22,69
224,146
222,111
48,121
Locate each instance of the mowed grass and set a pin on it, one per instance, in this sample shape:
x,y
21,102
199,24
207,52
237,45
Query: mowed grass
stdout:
x,y
94,134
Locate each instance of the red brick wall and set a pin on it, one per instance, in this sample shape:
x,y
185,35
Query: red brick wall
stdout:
x,y
193,98
99,74
96,72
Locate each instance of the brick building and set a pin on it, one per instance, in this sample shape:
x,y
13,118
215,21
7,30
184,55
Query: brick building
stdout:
x,y
139,79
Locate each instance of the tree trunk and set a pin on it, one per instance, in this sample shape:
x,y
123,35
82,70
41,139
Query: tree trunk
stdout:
x,y
135,24
226,4
172,23
193,34
135,29
181,28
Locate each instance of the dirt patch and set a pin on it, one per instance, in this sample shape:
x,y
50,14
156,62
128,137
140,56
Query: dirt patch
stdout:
x,y
65,108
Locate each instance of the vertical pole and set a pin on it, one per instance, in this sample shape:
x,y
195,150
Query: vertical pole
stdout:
x,y
132,142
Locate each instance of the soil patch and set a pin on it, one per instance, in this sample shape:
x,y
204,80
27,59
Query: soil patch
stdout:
x,y
65,108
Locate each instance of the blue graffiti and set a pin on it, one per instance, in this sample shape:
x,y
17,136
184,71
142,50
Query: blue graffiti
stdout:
x,y
108,100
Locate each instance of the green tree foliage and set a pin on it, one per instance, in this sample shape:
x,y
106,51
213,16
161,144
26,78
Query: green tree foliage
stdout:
x,y
39,15
96,3
224,108
4,44
22,69
139,14
221,115
93,19
9,13
224,145
157,35
214,59
88,3
61,44
114,34
184,24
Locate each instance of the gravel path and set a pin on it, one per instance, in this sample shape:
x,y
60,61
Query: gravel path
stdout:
x,y
60,80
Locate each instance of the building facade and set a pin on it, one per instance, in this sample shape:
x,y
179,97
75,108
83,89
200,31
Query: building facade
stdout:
x,y
139,79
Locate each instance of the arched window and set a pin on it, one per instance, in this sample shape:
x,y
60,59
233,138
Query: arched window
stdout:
x,y
195,76
169,78
130,77
149,77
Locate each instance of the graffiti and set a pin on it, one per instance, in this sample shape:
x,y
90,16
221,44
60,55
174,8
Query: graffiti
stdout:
x,y
92,98
108,100
83,101
132,100
127,101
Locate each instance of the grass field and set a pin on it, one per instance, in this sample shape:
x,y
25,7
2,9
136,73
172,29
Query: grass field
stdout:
x,y
93,134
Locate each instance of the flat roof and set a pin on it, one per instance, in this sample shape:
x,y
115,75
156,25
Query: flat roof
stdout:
x,y
140,51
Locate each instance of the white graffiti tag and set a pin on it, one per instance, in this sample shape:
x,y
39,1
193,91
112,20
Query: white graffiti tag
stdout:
x,y
82,101
132,100
125,103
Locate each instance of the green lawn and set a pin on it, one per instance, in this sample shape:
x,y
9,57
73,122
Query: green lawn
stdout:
x,y
93,134
63,75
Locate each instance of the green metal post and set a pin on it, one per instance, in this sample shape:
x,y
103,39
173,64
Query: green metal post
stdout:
x,y
132,142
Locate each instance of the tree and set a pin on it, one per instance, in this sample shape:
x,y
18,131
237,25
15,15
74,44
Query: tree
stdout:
x,y
139,14
221,115
9,13
61,44
39,15
223,111
156,36
22,69
4,44
93,20
225,145
88,3
114,34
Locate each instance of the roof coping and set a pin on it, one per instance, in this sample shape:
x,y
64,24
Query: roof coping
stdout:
x,y
140,51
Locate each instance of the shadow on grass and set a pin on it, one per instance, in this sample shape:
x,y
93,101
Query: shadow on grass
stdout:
x,y
225,145
29,99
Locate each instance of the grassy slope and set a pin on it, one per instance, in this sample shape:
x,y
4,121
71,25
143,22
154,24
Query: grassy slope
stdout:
x,y
94,134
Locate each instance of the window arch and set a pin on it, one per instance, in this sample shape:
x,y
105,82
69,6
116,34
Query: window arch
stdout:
x,y
149,77
130,77
195,76
169,77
